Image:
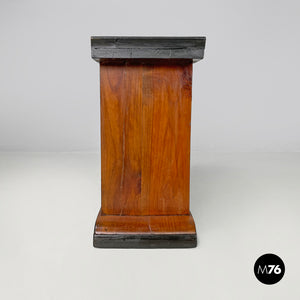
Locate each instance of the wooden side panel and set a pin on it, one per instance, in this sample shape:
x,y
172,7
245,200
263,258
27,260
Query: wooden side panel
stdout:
x,y
120,138
170,140
145,136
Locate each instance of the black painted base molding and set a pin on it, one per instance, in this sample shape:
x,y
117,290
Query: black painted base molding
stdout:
x,y
145,240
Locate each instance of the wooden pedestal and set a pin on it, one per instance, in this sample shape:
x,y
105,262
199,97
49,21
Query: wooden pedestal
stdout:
x,y
145,141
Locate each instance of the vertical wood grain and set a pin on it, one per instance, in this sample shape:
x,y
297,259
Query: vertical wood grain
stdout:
x,y
145,138
147,129
170,146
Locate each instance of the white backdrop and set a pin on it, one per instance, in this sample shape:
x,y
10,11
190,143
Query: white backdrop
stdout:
x,y
245,91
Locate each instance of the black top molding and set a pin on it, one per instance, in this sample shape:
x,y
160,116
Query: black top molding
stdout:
x,y
124,47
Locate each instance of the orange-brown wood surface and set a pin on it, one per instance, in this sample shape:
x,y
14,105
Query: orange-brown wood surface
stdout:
x,y
145,138
108,224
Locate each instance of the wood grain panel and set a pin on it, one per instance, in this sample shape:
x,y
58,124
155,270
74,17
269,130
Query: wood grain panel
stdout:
x,y
170,140
121,138
145,137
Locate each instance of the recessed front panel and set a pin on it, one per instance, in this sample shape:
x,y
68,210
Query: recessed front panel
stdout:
x,y
145,137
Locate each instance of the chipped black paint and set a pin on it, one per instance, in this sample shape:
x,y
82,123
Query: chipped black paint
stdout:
x,y
104,47
145,240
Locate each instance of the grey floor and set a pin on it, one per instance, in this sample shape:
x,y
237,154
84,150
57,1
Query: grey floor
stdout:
x,y
244,205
